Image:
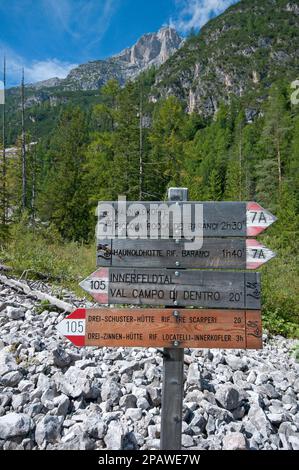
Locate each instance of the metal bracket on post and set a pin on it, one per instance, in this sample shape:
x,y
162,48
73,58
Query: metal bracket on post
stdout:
x,y
173,376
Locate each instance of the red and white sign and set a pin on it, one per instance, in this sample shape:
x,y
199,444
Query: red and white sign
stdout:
x,y
97,285
73,327
258,219
257,254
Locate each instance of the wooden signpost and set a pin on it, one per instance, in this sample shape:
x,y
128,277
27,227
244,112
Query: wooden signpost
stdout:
x,y
216,253
240,329
205,289
165,272
220,219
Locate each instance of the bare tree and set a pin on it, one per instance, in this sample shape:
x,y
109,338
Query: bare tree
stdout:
x,y
141,143
23,149
4,165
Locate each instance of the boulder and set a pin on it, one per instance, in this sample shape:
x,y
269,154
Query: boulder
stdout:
x,y
193,376
7,362
128,401
135,414
258,418
115,435
15,425
228,397
48,429
15,313
11,379
111,391
235,441
61,358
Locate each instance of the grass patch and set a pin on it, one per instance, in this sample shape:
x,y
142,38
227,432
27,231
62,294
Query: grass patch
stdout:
x,y
40,252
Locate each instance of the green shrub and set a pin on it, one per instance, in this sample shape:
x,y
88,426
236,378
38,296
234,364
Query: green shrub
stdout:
x,y
40,252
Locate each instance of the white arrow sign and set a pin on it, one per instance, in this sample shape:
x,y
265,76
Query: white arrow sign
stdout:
x,y
97,285
258,219
257,254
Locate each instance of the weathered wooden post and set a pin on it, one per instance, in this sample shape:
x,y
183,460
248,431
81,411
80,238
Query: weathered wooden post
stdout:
x,y
173,377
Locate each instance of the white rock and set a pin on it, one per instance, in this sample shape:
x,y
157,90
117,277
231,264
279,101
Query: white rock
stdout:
x,y
75,382
15,313
234,362
258,418
114,436
294,441
234,441
187,441
48,429
62,402
20,400
11,379
7,362
228,397
193,376
135,414
15,425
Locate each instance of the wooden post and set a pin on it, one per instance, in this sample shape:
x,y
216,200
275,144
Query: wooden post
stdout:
x,y
173,377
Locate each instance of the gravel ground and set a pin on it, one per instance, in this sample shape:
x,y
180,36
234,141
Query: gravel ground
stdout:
x,y
56,396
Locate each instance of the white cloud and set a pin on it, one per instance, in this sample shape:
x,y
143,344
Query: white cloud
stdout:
x,y
34,71
44,69
196,13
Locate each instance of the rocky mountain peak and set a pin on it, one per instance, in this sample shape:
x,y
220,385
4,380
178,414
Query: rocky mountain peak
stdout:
x,y
151,49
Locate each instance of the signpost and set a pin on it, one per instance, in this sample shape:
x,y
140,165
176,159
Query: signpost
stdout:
x,y
220,219
164,271
216,253
206,289
145,328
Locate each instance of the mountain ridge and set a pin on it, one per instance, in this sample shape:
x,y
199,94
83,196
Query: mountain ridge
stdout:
x,y
239,53
151,50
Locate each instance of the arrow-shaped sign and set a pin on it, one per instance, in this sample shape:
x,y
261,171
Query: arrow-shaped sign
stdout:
x,y
258,219
257,254
218,253
105,327
219,219
205,289
73,327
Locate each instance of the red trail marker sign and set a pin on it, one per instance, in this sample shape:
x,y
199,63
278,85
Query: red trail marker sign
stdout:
x,y
187,328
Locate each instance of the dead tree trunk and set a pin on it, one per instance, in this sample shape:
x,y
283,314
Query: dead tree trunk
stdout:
x,y
4,164
141,144
23,153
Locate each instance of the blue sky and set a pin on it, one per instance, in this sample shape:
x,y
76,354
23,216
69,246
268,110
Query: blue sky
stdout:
x,y
50,37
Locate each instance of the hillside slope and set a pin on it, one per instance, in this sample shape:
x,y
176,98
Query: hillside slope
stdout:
x,y
240,53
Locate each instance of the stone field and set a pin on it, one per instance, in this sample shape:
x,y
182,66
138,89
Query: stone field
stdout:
x,y
56,396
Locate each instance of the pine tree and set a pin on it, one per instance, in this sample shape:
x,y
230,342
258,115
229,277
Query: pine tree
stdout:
x,y
215,186
293,166
63,199
274,142
236,169
126,142
166,155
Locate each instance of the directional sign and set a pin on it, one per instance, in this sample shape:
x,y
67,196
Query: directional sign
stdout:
x,y
232,329
217,253
205,289
220,219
